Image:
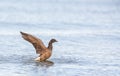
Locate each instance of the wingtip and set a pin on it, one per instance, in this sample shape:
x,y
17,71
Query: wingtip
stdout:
x,y
21,32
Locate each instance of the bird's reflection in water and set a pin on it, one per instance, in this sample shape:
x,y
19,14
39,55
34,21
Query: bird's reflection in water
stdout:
x,y
45,63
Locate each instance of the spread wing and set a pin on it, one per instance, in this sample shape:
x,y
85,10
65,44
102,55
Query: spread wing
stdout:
x,y
37,43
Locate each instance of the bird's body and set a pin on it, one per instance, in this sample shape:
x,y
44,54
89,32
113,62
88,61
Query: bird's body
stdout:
x,y
44,56
45,52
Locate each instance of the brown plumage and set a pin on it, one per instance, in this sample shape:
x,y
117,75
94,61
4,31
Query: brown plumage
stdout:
x,y
45,52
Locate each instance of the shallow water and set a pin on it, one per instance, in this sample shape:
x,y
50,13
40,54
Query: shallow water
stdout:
x,y
74,56
88,33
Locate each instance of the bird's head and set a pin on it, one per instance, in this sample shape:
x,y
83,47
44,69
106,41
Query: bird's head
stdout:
x,y
53,40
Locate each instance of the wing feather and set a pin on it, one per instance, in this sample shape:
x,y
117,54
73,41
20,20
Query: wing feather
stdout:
x,y
36,42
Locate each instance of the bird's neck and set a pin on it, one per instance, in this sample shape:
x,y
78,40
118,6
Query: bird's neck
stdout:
x,y
50,46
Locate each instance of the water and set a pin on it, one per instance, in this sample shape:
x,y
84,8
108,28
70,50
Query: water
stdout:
x,y
88,32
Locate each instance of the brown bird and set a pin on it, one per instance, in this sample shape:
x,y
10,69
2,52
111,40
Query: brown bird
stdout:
x,y
45,52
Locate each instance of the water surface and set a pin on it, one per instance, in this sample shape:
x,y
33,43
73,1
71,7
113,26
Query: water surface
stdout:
x,y
88,33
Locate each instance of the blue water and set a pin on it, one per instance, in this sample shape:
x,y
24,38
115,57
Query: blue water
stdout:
x,y
88,32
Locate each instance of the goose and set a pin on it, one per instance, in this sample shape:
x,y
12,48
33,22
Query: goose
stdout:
x,y
43,51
